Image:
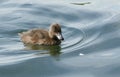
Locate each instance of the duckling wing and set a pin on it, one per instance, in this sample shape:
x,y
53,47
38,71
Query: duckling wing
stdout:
x,y
39,35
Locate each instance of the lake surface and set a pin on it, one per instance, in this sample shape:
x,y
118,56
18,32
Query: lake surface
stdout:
x,y
91,31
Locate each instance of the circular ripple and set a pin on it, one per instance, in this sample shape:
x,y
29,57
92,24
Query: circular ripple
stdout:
x,y
73,38
14,52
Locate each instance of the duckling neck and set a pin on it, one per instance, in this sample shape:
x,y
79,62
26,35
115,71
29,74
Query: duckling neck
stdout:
x,y
50,34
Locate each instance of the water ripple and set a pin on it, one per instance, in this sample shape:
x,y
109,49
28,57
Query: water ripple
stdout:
x,y
72,37
91,46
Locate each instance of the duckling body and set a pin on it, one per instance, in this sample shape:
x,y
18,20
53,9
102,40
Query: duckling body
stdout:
x,y
53,36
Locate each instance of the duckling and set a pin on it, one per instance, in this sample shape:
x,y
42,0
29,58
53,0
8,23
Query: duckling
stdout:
x,y
53,36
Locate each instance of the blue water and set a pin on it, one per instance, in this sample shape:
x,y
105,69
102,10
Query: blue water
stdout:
x,y
92,38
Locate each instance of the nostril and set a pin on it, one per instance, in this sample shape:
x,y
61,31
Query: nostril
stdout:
x,y
62,39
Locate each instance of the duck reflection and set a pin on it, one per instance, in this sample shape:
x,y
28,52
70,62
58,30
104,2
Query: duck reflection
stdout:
x,y
52,50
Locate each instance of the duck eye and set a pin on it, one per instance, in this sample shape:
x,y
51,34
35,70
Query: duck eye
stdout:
x,y
59,31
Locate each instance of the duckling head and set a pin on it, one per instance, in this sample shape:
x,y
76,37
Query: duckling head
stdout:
x,y
55,32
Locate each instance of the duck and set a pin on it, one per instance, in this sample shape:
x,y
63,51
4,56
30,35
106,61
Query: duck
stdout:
x,y
38,36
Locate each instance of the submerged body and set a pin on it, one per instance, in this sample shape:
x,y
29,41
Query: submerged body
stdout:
x,y
43,37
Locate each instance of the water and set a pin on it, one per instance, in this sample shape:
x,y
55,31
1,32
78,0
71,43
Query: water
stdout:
x,y
91,31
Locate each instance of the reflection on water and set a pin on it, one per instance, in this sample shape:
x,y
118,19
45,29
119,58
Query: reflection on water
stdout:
x,y
52,50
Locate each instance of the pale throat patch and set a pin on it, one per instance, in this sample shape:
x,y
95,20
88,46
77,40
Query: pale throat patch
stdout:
x,y
59,36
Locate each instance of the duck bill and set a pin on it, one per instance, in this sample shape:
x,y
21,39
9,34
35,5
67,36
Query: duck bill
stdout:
x,y
60,37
